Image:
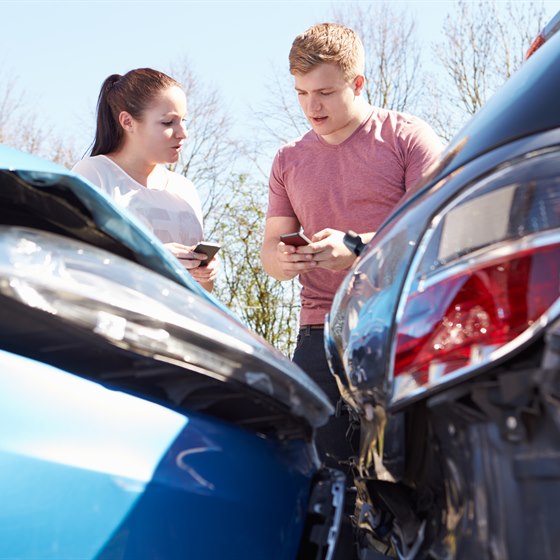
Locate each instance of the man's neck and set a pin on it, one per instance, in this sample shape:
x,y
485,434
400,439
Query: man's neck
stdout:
x,y
363,110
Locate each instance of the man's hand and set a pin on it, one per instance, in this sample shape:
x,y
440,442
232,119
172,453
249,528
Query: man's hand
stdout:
x,y
328,250
280,260
292,262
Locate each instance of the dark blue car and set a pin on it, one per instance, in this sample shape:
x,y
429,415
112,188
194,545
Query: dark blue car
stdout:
x,y
445,339
138,417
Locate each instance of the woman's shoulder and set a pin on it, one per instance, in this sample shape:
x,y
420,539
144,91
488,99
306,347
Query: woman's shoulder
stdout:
x,y
96,163
182,188
92,161
178,182
101,171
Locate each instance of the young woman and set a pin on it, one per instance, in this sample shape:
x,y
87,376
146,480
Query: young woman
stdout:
x,y
141,127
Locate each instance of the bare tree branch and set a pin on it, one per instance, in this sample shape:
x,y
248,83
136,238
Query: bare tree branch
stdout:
x,y
482,47
20,128
394,77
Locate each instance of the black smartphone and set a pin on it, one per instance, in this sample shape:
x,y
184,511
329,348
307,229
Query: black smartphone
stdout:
x,y
209,249
297,239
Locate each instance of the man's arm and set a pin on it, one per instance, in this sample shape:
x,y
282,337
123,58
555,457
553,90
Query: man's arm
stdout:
x,y
279,260
329,250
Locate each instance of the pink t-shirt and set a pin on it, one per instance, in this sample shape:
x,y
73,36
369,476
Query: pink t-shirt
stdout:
x,y
352,185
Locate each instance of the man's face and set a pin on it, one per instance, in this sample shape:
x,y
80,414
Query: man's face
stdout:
x,y
329,101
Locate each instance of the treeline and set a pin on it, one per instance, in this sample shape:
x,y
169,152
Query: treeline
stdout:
x,y
481,44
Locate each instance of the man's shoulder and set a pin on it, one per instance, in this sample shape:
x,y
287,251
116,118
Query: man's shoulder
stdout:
x,y
400,123
414,124
380,114
303,142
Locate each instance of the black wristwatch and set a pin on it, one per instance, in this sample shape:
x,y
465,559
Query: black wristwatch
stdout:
x,y
354,242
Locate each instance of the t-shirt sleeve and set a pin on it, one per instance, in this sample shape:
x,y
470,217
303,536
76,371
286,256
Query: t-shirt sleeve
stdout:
x,y
423,148
197,204
185,189
88,169
279,204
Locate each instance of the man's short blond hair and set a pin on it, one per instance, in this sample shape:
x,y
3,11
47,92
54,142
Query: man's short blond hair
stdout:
x,y
328,42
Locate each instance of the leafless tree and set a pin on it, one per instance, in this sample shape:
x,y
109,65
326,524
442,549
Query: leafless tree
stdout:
x,y
10,103
394,78
281,119
20,127
483,45
210,155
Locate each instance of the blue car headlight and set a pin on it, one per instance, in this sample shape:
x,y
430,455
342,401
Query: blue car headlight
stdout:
x,y
136,309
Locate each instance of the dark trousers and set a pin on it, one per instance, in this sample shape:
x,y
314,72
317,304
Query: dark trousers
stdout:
x,y
331,439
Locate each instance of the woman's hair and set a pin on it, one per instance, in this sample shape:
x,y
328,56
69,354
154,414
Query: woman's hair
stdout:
x,y
133,93
328,42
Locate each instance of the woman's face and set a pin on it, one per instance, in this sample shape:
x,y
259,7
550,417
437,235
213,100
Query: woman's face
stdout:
x,y
160,134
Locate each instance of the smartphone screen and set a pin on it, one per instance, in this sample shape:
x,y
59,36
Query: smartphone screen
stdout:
x,y
297,239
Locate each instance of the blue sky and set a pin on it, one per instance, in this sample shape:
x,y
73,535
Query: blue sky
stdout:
x,y
61,51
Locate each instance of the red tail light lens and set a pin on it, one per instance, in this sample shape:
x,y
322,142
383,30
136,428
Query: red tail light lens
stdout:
x,y
535,46
552,27
455,322
485,278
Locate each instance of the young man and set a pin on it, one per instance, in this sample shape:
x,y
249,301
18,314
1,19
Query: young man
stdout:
x,y
347,173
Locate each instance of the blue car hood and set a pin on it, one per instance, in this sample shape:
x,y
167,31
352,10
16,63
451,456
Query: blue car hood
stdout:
x,y
56,208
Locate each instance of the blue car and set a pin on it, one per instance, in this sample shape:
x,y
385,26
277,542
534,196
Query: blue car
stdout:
x,y
138,417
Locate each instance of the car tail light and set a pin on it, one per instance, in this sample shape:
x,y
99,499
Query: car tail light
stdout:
x,y
484,307
552,27
484,280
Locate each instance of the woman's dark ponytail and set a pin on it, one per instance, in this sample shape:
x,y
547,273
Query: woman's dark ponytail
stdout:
x,y
108,132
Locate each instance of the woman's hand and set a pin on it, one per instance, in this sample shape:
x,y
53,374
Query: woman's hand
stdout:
x,y
202,270
189,259
205,274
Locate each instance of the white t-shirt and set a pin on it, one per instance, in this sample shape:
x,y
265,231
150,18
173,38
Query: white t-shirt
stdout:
x,y
170,209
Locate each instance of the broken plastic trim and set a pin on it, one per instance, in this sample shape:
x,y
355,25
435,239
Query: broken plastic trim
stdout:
x,y
324,516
